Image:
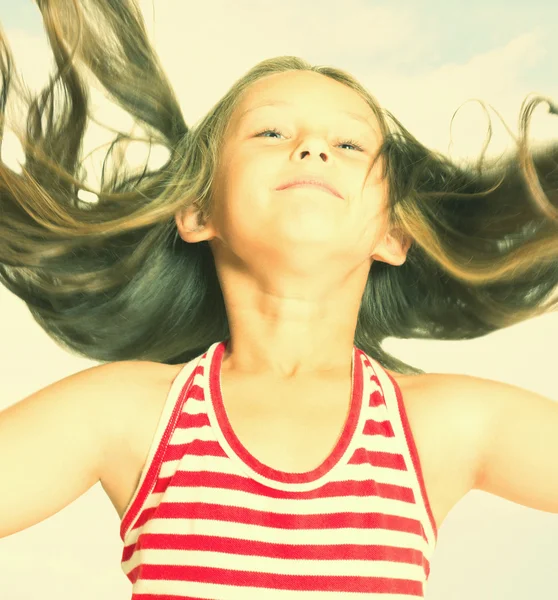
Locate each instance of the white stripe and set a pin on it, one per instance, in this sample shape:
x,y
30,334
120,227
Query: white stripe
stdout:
x,y
193,406
380,443
186,435
193,463
279,566
213,591
321,506
224,465
259,533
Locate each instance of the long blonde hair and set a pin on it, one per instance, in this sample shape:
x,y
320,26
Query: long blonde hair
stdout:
x,y
113,281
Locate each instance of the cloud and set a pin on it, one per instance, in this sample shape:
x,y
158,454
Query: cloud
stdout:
x,y
426,103
205,48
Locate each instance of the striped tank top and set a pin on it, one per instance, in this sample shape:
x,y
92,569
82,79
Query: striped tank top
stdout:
x,y
208,520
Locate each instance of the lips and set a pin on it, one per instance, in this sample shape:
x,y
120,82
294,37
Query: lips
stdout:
x,y
310,181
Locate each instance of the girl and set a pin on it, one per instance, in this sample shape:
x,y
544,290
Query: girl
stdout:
x,y
253,435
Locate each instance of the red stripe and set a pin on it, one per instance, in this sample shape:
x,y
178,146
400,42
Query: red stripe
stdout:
x,y
196,448
233,514
128,551
384,428
388,460
346,552
276,581
376,398
188,420
145,515
334,489
196,391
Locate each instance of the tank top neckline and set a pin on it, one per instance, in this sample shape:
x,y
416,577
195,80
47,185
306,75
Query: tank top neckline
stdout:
x,y
251,462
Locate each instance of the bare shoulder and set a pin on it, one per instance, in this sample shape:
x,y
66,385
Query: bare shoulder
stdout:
x,y
136,386
455,402
451,398
137,397
126,392
448,418
138,391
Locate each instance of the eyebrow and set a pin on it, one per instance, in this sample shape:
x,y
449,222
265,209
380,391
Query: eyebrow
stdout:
x,y
283,102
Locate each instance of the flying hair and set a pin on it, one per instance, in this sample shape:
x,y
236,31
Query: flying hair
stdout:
x,y
112,280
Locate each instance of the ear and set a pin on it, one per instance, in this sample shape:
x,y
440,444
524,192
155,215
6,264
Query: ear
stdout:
x,y
393,248
189,227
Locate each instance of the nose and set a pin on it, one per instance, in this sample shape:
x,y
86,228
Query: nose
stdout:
x,y
314,146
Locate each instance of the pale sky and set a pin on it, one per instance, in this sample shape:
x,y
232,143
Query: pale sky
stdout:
x,y
422,61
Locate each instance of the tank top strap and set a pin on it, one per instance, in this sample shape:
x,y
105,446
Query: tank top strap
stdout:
x,y
398,417
167,422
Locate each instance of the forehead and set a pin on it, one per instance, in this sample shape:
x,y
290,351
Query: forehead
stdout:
x,y
305,91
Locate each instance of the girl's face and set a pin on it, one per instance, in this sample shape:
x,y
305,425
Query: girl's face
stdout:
x,y
300,125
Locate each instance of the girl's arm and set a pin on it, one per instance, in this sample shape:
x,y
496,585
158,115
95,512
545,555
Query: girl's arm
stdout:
x,y
52,445
517,441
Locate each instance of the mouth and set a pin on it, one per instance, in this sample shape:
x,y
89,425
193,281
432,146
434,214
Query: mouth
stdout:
x,y
310,184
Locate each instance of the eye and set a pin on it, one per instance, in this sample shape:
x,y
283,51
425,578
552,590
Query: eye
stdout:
x,y
268,130
352,143
343,143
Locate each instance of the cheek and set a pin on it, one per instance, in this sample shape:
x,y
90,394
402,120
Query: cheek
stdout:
x,y
375,196
373,216
236,203
376,202
250,183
